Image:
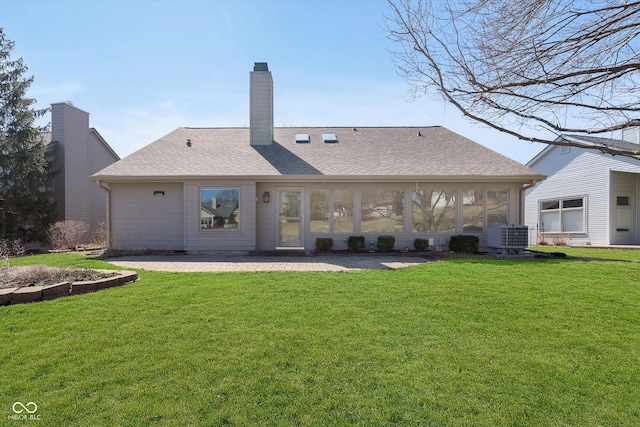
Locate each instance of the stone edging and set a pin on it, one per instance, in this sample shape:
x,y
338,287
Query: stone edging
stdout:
x,y
64,289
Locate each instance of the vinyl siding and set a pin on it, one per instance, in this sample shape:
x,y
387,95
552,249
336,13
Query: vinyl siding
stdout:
x,y
577,173
140,220
266,217
99,157
57,136
80,152
76,168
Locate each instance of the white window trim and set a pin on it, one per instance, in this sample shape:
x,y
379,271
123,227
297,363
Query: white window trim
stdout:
x,y
218,231
560,209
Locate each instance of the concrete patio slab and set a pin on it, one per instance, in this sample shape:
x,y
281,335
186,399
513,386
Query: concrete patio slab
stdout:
x,y
244,263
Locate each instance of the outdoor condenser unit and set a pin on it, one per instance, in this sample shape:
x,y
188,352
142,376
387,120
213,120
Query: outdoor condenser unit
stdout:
x,y
506,238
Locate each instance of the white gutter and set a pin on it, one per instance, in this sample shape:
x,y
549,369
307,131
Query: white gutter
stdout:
x,y
107,189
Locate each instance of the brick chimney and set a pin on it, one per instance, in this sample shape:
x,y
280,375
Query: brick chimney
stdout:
x,y
261,105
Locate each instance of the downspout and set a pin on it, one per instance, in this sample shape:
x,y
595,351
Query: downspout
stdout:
x,y
107,189
522,190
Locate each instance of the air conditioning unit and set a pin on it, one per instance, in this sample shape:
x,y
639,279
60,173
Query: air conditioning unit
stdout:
x,y
507,238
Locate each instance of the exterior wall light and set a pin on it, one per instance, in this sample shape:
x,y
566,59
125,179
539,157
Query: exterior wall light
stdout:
x,y
265,197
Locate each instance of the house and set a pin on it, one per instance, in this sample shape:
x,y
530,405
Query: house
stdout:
x,y
80,151
589,198
270,188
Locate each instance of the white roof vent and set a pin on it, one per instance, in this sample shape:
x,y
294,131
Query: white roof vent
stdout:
x,y
329,138
302,138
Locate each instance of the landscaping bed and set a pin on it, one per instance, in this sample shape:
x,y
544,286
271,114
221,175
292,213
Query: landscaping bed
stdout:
x,y
39,282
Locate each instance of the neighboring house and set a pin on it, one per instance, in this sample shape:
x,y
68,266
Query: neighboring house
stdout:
x,y
80,151
266,188
589,198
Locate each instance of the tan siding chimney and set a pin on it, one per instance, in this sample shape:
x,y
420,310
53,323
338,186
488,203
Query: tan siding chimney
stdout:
x,y
261,105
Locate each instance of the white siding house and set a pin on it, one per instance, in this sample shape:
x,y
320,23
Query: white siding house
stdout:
x,y
268,188
80,151
589,198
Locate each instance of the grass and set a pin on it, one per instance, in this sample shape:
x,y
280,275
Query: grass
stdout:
x,y
461,342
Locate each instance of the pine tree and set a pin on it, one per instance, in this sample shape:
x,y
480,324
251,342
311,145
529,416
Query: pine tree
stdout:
x,y
26,178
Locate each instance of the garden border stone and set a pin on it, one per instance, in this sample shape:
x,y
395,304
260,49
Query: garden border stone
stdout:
x,y
27,294
18,295
57,290
6,295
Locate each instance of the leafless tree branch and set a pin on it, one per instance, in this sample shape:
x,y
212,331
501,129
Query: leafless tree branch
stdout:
x,y
560,66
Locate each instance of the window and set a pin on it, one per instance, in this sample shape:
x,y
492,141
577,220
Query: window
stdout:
x,y
302,138
433,211
331,211
329,138
496,207
319,212
472,211
624,214
562,215
382,211
342,211
219,208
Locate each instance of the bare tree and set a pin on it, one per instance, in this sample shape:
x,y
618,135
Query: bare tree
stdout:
x,y
559,66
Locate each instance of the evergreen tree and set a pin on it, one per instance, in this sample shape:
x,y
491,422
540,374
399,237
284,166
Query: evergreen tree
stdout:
x,y
26,178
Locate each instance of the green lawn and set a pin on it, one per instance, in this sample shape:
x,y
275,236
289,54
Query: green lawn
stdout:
x,y
462,342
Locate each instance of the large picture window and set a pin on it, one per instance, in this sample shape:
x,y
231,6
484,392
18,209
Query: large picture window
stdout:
x,y
331,211
433,211
472,211
496,207
219,208
382,211
319,211
562,215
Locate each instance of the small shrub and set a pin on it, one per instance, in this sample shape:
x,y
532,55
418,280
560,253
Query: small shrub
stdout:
x,y
99,236
554,240
464,244
356,244
561,240
421,245
386,243
8,249
543,240
67,234
324,244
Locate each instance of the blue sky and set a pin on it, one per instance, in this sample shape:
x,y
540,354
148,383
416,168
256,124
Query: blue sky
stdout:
x,y
144,68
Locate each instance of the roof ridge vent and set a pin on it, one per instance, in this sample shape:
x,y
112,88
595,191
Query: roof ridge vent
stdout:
x,y
329,138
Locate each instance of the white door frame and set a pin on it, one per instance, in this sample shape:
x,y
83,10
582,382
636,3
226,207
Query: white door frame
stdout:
x,y
300,217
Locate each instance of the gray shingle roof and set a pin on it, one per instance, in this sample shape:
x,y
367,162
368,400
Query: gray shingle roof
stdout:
x,y
433,152
614,143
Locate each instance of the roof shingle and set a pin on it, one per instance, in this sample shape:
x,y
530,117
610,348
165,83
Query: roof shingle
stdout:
x,y
361,152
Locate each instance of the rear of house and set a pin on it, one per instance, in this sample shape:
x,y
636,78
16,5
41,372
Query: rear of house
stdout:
x,y
268,188
589,198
